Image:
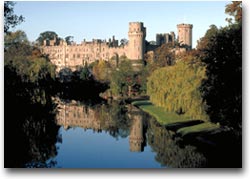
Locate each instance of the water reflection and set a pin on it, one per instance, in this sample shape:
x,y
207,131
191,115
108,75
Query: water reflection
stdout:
x,y
168,152
136,130
30,135
128,122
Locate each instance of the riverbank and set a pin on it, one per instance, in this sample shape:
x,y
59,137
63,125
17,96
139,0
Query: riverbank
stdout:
x,y
183,125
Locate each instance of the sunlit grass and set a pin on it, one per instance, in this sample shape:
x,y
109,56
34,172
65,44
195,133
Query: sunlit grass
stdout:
x,y
199,128
170,118
161,115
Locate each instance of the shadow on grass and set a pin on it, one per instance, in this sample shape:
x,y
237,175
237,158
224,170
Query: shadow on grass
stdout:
x,y
178,125
141,103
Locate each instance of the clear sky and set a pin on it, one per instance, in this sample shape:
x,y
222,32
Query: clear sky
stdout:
x,y
88,20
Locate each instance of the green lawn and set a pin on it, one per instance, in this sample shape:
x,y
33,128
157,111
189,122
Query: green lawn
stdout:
x,y
200,128
170,119
162,116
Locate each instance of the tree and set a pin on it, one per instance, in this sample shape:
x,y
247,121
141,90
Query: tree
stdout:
x,y
10,19
162,57
223,88
85,73
101,71
176,88
203,42
69,40
15,38
234,9
123,42
47,35
222,55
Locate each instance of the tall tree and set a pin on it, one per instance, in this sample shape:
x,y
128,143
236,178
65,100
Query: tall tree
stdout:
x,y
10,19
47,35
69,40
223,57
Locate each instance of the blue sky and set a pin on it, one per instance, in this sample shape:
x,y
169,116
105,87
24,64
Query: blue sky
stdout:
x,y
88,20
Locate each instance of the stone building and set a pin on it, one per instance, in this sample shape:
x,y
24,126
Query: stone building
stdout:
x,y
165,38
70,56
185,35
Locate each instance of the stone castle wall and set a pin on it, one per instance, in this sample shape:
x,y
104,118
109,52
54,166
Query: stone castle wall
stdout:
x,y
71,56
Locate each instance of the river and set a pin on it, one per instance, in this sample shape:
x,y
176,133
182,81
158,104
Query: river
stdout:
x,y
99,135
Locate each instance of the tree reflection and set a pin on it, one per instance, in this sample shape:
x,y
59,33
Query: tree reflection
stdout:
x,y
30,134
168,153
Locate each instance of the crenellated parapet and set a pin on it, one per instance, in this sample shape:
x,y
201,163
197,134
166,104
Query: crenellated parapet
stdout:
x,y
185,34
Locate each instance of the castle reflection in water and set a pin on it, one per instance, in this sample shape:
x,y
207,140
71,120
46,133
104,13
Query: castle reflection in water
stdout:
x,y
74,114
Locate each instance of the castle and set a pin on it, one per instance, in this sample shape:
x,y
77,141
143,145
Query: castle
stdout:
x,y
73,114
71,56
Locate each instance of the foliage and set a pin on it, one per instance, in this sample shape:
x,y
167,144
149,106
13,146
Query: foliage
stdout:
x,y
28,75
85,73
234,9
123,42
47,35
101,71
223,88
15,39
69,40
168,152
211,32
10,19
176,88
162,57
122,79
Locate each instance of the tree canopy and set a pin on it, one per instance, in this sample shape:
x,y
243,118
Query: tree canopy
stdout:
x,y
47,35
234,9
10,19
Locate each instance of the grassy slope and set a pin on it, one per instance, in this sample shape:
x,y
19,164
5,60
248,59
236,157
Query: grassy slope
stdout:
x,y
170,118
159,113
200,128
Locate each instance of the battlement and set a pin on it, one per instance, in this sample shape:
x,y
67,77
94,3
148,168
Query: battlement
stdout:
x,y
72,55
184,25
136,27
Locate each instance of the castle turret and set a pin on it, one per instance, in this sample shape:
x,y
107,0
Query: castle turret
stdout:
x,y
136,46
136,134
185,34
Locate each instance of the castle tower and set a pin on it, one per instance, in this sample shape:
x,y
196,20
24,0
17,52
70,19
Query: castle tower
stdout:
x,y
185,34
136,45
136,134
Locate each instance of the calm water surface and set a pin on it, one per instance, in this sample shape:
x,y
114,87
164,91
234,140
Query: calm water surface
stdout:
x,y
103,135
114,136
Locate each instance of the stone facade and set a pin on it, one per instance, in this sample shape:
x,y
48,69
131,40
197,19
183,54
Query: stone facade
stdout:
x,y
63,55
185,34
165,38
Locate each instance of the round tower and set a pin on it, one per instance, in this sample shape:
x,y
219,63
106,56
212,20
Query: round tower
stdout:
x,y
185,34
136,45
136,134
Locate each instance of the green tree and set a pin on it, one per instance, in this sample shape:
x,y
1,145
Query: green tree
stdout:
x,y
162,57
122,79
176,88
47,35
123,42
101,71
223,57
17,38
10,19
69,40
85,73
211,32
